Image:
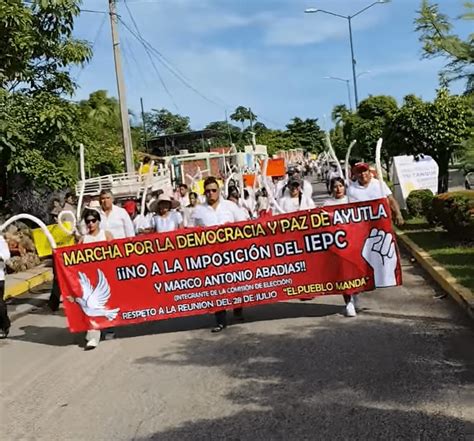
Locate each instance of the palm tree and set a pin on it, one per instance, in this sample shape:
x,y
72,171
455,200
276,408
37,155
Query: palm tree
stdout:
x,y
242,114
339,114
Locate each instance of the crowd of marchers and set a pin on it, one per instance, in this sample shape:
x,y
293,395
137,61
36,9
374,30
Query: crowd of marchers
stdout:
x,y
105,219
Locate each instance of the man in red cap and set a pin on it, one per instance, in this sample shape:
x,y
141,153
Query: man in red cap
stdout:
x,y
366,188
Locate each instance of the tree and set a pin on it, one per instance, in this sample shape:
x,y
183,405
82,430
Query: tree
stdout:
x,y
276,140
39,134
242,114
438,40
339,114
258,128
306,134
163,122
101,130
38,130
369,123
37,45
437,128
228,132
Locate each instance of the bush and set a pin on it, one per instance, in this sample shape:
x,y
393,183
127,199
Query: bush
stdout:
x,y
455,212
419,203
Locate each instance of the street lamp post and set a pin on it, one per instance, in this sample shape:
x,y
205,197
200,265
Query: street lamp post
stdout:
x,y
349,21
348,84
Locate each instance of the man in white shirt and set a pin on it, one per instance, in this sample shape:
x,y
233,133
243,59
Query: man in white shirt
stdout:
x,y
113,218
117,221
366,188
4,320
183,195
217,211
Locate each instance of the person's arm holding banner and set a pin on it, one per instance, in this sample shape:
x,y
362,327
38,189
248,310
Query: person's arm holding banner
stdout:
x,y
399,221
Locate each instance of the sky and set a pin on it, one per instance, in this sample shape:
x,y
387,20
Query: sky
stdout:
x,y
264,54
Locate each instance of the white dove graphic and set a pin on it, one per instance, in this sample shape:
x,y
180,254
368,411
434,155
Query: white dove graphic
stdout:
x,y
93,300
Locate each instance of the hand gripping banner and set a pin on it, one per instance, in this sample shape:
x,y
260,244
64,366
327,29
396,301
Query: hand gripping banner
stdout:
x,y
345,249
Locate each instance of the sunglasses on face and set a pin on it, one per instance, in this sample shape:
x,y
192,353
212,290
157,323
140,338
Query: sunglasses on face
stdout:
x,y
91,221
210,190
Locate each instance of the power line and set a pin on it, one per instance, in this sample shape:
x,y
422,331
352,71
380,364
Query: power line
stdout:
x,y
165,87
137,29
149,55
173,69
168,65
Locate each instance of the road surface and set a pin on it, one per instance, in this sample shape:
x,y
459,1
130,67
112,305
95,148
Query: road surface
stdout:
x,y
402,370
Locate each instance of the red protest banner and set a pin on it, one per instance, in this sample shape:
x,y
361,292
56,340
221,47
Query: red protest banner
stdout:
x,y
343,249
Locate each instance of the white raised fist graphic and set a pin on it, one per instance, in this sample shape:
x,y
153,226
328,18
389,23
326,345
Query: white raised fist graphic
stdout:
x,y
380,253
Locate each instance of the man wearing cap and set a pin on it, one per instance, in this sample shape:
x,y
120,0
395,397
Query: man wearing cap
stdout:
x,y
284,189
217,211
366,188
295,199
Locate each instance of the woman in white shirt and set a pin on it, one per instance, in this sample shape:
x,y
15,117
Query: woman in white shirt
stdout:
x,y
166,219
337,187
263,203
296,200
94,233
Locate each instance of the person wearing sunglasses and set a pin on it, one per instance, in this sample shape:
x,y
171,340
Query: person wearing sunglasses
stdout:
x,y
93,234
93,231
217,211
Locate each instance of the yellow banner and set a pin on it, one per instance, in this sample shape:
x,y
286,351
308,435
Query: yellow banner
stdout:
x,y
62,239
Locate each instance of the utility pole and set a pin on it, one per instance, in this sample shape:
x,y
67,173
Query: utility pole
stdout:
x,y
353,60
145,136
251,119
127,139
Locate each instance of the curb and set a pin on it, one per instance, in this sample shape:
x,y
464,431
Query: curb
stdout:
x,y
442,277
20,286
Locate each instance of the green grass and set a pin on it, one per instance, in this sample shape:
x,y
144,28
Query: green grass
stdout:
x,y
456,256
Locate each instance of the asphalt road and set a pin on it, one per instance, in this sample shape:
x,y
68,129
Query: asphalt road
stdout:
x,y
402,370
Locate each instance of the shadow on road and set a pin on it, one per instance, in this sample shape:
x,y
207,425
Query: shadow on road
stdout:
x,y
276,311
360,380
47,335
56,336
